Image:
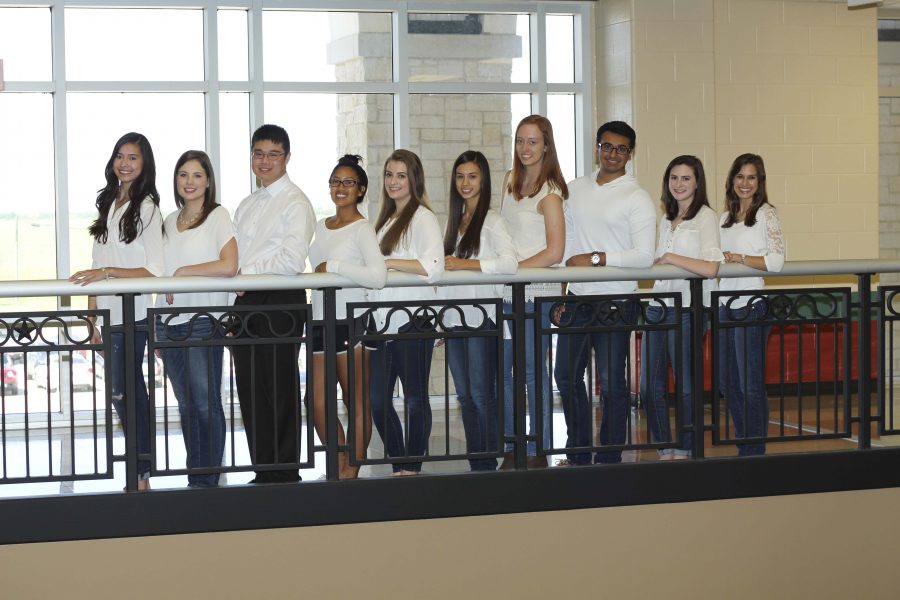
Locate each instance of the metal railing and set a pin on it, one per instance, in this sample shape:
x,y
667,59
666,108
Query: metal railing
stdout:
x,y
832,382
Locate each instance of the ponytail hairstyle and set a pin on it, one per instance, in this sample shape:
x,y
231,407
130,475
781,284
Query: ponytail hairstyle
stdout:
x,y
550,169
471,239
130,226
670,204
418,197
733,203
209,196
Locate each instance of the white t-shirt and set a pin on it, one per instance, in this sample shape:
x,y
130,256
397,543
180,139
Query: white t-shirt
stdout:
x,y
192,247
764,239
146,250
498,256
351,251
423,242
697,238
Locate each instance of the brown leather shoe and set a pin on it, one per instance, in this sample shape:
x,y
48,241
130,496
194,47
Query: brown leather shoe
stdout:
x,y
508,463
536,462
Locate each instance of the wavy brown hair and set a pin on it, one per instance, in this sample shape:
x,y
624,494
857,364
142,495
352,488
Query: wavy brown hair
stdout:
x,y
418,197
733,203
209,195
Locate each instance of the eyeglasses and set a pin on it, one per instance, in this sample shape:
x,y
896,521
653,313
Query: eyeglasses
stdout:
x,y
259,155
620,149
347,183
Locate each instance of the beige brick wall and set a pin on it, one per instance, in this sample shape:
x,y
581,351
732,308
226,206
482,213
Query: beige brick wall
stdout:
x,y
796,82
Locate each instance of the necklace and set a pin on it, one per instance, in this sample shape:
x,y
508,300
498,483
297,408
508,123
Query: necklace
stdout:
x,y
187,221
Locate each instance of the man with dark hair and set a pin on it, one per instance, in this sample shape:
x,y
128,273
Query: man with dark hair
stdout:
x,y
274,227
610,220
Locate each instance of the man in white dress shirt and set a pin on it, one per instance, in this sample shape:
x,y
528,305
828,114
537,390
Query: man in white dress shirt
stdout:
x,y
610,220
274,227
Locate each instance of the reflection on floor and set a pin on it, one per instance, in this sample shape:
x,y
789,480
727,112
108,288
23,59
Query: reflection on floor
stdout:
x,y
447,434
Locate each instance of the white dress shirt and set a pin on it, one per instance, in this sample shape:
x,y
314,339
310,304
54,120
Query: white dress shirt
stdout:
x,y
274,227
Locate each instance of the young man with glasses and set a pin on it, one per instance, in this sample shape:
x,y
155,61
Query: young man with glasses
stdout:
x,y
274,227
610,221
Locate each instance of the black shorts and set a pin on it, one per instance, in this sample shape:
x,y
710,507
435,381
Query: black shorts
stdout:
x,y
341,337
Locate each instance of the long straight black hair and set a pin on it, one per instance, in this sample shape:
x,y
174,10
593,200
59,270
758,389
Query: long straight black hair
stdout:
x,y
471,240
130,226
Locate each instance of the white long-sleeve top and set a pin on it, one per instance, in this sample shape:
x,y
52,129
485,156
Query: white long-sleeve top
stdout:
x,y
351,251
423,242
497,256
529,234
697,238
764,238
195,246
146,250
274,227
617,218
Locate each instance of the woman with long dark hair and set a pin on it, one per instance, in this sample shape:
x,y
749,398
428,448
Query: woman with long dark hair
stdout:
x,y
688,239
751,234
127,243
198,241
410,240
345,244
476,239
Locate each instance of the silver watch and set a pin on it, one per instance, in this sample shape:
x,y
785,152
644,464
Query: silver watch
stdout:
x,y
595,258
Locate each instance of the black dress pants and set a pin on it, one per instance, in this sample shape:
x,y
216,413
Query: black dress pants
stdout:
x,y
268,383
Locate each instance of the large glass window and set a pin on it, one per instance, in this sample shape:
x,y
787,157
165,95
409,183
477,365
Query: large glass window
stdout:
x,y
172,123
468,48
458,80
27,199
99,47
25,44
323,46
323,127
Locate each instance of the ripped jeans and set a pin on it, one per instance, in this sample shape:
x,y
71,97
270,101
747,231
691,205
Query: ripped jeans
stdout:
x,y
116,360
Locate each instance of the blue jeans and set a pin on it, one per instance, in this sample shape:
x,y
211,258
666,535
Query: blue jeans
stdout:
x,y
473,365
196,376
531,366
410,361
572,358
141,399
742,374
657,351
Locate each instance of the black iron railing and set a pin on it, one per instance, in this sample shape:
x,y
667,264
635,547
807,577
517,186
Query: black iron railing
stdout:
x,y
829,383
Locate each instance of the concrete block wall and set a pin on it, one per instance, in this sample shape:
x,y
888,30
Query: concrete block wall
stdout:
x,y
795,82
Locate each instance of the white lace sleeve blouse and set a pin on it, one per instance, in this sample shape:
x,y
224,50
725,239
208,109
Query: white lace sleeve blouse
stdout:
x,y
764,238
